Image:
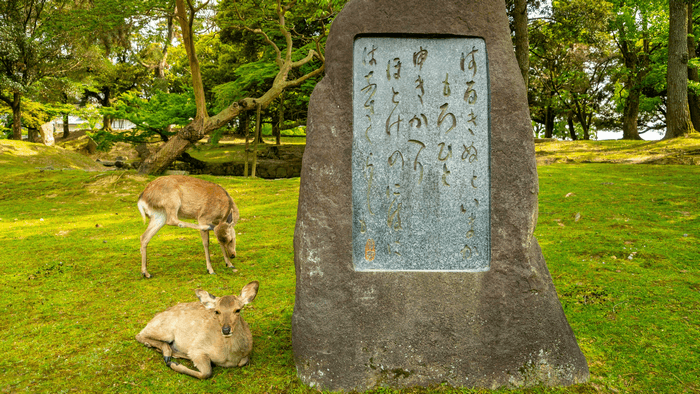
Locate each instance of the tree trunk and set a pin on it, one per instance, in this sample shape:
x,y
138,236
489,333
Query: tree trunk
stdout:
x,y
522,45
17,116
548,122
160,160
66,126
32,134
255,144
247,131
186,20
693,99
107,122
280,120
630,114
678,118
572,128
106,102
638,66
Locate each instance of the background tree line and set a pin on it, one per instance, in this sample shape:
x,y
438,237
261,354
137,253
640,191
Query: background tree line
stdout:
x,y
184,69
199,66
609,65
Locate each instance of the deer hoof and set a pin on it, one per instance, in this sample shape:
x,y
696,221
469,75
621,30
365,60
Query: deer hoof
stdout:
x,y
146,275
168,360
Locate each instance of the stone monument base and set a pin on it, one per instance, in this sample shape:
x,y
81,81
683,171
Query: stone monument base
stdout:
x,y
497,325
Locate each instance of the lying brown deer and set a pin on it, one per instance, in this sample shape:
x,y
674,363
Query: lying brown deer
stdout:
x,y
206,332
169,198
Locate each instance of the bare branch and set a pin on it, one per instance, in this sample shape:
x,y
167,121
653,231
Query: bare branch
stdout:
x,y
303,78
305,60
278,52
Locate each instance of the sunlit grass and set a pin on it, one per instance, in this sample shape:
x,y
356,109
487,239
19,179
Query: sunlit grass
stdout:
x,y
675,151
620,242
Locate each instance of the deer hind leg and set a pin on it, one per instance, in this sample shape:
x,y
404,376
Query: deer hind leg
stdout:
x,y
205,243
156,223
202,363
173,220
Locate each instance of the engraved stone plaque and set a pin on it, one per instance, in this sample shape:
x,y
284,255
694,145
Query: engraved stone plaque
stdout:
x,y
420,154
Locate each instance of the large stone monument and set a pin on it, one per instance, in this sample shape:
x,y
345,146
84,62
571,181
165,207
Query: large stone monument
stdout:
x,y
414,250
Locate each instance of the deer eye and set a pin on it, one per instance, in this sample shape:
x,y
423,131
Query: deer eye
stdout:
x,y
238,310
217,312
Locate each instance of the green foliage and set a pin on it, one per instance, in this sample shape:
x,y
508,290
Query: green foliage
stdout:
x,y
151,116
250,78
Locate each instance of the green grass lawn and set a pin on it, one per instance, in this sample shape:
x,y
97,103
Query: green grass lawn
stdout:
x,y
621,242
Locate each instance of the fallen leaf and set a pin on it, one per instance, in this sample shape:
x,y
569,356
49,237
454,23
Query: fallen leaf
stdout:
x,y
569,195
578,217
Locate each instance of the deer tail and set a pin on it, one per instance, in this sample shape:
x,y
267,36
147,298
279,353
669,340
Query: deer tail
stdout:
x,y
142,208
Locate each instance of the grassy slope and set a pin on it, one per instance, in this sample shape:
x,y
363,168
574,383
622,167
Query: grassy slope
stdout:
x,y
23,156
676,151
74,299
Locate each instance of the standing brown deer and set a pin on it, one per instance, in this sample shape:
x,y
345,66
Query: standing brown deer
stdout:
x,y
209,331
168,198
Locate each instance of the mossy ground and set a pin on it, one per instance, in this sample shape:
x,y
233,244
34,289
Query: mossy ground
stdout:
x,y
620,242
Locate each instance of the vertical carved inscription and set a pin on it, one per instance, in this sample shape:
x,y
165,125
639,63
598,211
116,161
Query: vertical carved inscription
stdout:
x,y
421,181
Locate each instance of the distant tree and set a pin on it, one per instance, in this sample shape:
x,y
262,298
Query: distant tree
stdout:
x,y
678,117
35,42
638,30
152,117
286,60
570,64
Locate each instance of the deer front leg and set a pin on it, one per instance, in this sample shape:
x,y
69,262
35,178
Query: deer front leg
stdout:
x,y
226,258
205,243
159,345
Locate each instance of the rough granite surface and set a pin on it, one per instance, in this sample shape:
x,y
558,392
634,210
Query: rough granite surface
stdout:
x,y
356,330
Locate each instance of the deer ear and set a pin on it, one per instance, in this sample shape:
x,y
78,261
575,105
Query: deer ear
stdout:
x,y
229,219
208,300
249,292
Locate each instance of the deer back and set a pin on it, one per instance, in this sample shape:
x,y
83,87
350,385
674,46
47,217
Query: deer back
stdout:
x,y
191,198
